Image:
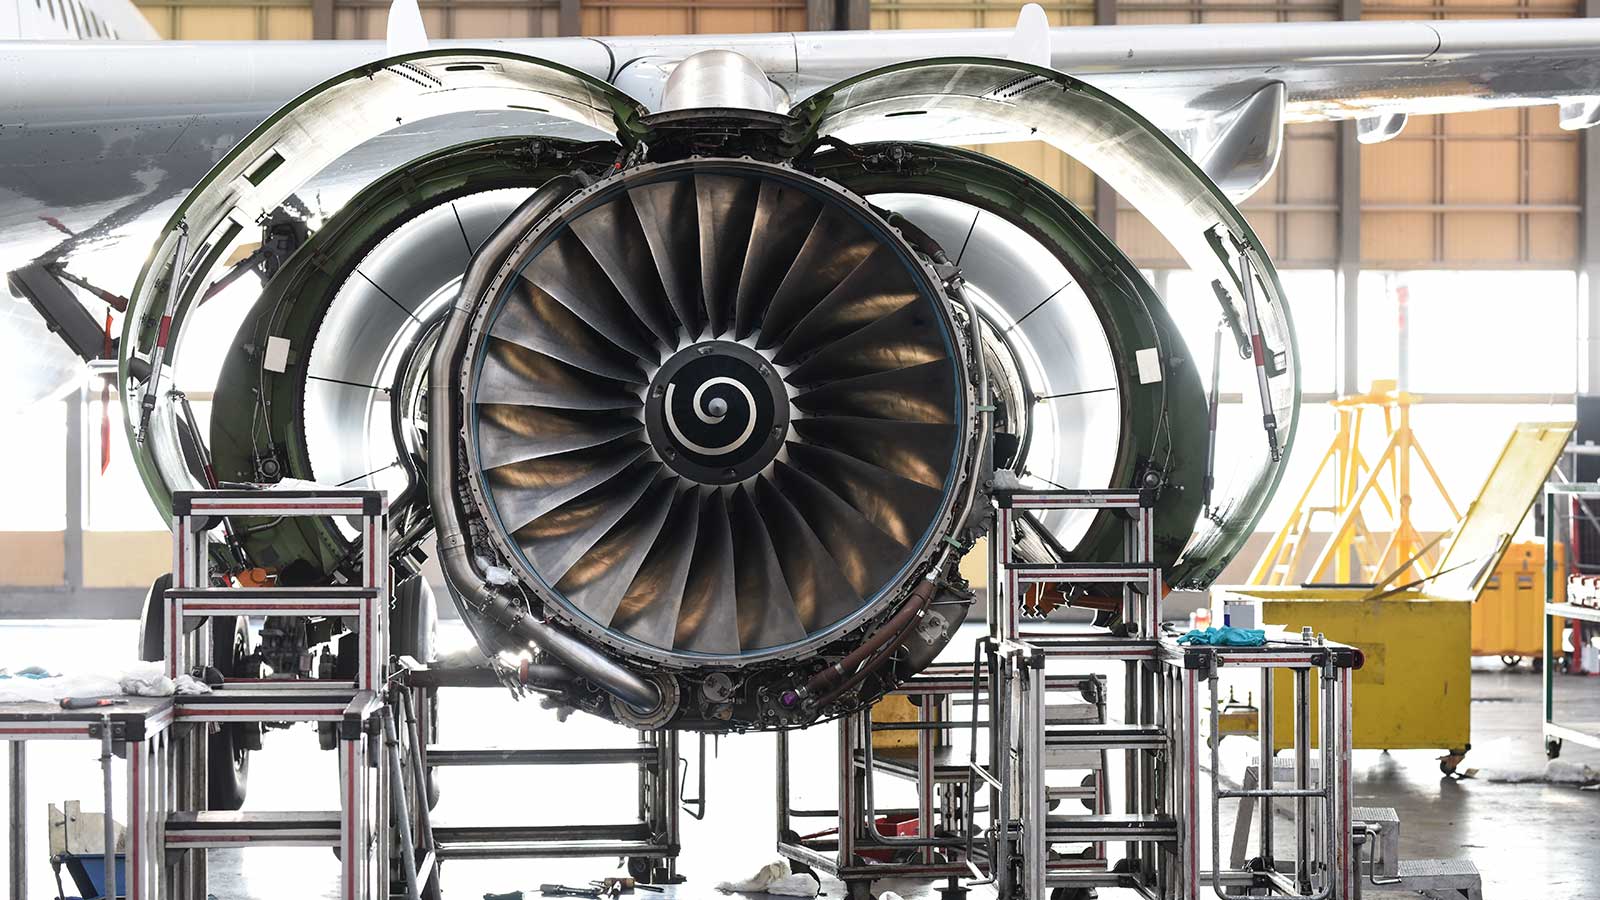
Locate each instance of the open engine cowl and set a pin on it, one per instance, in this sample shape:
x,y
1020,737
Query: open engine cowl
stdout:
x,y
702,405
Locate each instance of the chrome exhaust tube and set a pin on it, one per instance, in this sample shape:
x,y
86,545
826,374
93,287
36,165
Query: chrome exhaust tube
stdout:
x,y
461,573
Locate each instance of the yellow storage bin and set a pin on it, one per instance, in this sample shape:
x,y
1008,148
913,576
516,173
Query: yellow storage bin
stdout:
x,y
1507,617
1414,690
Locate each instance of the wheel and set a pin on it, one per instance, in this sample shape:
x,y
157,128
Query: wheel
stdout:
x,y
640,868
414,620
1088,781
228,748
152,648
858,889
1448,762
413,632
1552,747
1077,893
1511,660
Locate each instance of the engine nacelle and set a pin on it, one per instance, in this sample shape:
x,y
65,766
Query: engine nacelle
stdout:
x,y
704,406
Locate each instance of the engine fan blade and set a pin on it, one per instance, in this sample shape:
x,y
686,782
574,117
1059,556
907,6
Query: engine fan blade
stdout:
x,y
819,589
784,217
924,393
508,434
899,508
555,541
866,556
708,619
918,451
524,491
834,247
872,290
726,205
533,319
908,337
661,208
613,237
649,610
521,377
567,271
767,615
595,583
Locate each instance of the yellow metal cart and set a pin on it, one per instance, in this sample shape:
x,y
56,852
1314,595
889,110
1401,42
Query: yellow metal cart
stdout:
x,y
1414,689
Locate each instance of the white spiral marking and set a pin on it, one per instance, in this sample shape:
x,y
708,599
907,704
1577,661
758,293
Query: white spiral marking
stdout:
x,y
699,394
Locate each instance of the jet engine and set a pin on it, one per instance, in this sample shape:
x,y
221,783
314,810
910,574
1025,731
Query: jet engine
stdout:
x,y
704,405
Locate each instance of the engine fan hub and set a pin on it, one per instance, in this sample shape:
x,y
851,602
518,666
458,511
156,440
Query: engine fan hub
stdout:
x,y
717,412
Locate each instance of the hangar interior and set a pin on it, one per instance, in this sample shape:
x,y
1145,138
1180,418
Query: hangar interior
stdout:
x,y
1451,267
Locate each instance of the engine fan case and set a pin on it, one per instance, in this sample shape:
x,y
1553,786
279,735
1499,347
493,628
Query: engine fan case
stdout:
x,y
811,515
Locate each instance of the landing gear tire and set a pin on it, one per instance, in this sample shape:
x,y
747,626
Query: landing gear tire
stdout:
x,y
413,632
228,748
152,645
414,623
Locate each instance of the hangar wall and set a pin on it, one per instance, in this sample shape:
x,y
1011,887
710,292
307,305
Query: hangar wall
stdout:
x,y
1499,193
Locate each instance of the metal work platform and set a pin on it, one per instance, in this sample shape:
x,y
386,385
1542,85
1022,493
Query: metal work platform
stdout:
x,y
139,728
1000,818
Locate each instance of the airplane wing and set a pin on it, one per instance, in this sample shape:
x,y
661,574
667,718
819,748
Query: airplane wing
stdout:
x,y
99,141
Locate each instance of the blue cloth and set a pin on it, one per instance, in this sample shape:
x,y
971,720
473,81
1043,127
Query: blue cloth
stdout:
x,y
1226,637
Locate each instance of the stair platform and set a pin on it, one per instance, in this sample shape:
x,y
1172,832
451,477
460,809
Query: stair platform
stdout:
x,y
232,705
215,828
1104,737
1112,827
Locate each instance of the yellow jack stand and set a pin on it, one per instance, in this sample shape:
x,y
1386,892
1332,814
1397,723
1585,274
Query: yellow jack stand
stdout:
x,y
1348,557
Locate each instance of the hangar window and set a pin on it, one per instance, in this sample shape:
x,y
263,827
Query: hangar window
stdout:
x,y
1313,304
36,502
1471,333
115,498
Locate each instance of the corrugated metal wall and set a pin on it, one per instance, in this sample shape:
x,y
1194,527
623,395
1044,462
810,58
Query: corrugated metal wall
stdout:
x,y
216,20
1493,190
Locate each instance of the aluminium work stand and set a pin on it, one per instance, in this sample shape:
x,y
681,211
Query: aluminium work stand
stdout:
x,y
650,844
139,730
357,829
1161,733
383,725
1579,505
859,851
1015,841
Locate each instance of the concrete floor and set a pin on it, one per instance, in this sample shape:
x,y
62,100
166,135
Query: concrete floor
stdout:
x,y
1531,837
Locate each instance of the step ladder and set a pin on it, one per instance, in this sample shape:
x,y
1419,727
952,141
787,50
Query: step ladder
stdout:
x,y
1160,735
354,706
1024,835
650,843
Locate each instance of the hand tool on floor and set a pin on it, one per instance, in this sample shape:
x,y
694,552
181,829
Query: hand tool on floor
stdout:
x,y
622,885
562,890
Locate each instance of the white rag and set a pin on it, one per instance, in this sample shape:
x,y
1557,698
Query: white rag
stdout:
x,y
147,683
142,679
774,878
